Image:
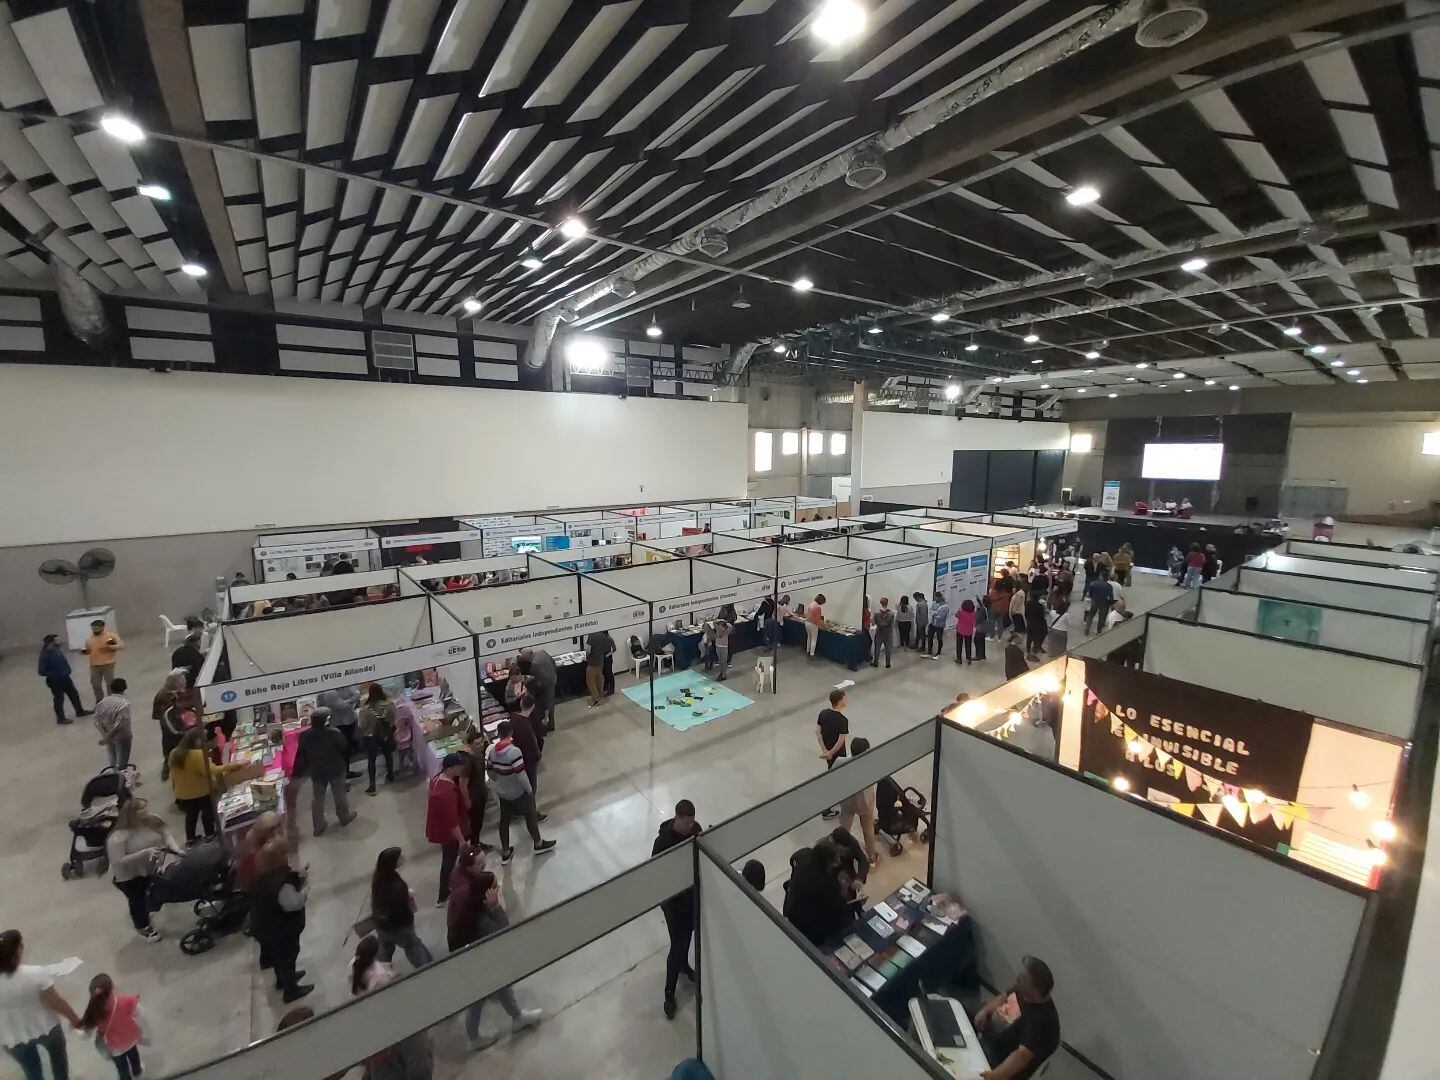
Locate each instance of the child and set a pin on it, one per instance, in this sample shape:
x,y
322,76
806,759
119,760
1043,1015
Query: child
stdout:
x,y
115,1019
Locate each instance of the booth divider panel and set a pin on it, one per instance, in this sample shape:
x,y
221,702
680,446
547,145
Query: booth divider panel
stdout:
x,y
768,1009
319,637
758,560
1176,953
1374,695
1351,594
1366,573
313,586
1355,553
1335,628
708,575
487,610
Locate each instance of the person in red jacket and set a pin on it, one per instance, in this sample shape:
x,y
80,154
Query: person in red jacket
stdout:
x,y
446,818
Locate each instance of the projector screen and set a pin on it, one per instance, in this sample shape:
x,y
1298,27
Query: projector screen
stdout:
x,y
1182,461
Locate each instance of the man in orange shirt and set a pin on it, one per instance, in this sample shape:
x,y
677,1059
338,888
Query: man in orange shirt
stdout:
x,y
102,646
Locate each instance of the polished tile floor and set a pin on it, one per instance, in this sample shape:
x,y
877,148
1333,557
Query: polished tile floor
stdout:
x,y
605,782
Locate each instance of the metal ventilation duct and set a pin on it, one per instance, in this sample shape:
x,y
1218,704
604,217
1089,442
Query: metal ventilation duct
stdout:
x,y
80,304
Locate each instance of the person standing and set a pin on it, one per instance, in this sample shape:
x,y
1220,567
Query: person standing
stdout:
x,y
445,817
118,1025
194,778
1016,609
506,765
722,647
188,654
939,620
376,724
322,755
541,665
112,721
522,730
922,622
965,632
29,1006
884,632
174,710
766,624
277,916
1101,595
598,646
1015,664
861,805
1123,560
905,620
1035,627
832,729
1057,637
344,705
102,647
135,848
54,668
679,910
392,907
814,620
473,787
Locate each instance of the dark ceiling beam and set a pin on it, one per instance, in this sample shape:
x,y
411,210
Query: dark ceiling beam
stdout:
x,y
169,44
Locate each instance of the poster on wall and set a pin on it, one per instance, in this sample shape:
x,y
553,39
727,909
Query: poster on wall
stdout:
x,y
966,577
1110,495
1232,761
1289,621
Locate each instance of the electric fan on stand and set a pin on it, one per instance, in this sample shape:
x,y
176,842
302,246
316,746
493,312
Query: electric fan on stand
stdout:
x,y
95,563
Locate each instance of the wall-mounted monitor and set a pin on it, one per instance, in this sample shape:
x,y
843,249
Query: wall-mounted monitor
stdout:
x,y
1182,461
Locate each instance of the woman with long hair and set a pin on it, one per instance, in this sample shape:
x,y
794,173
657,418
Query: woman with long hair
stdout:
x,y
410,1058
376,725
195,780
118,1025
277,915
905,620
174,712
392,906
136,847
29,1007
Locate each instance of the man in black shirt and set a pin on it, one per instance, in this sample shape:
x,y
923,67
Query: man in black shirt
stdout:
x,y
679,910
1027,1042
188,655
832,730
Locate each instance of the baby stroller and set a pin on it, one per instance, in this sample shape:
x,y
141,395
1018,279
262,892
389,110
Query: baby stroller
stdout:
x,y
205,877
99,803
899,811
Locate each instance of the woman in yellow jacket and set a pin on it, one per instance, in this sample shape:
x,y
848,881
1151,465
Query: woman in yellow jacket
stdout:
x,y
195,781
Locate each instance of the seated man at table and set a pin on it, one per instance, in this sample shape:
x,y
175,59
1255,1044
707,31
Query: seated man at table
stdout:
x,y
1019,1048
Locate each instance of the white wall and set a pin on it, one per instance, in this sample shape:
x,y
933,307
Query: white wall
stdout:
x,y
902,450
1376,458
241,452
1176,953
1357,632
287,642
1420,580
1351,594
502,606
649,581
1356,553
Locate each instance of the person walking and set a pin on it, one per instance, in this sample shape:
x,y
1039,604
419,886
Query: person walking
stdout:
x,y
410,1058
905,621
29,1007
1015,664
1122,562
323,755
1015,608
375,723
188,655
1035,626
965,632
112,721
102,647
1101,595
541,665
722,646
277,915
939,620
523,731
1057,637
832,729
598,646
506,765
344,705
194,779
54,668
884,630
679,910
473,787
922,623
445,817
814,620
136,849
392,908
474,914
118,1025
861,805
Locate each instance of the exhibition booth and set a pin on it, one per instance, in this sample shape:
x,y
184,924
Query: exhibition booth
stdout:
x,y
463,574
435,540
806,571
893,567
308,554
286,596
1363,586
1362,553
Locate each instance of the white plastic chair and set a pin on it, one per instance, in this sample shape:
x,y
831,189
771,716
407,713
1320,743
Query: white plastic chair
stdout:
x,y
765,674
171,629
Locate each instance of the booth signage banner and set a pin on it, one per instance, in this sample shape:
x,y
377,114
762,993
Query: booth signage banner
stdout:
x,y
503,641
495,521
963,577
715,598
497,541
1199,736
1110,495
898,562
421,539
656,519
1060,528
290,551
823,576
292,684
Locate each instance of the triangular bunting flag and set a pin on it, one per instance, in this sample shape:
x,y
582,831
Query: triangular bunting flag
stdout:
x,y
1281,817
1211,812
1212,786
1130,733
1148,751
1254,795
1259,812
1184,809
1299,810
1116,727
1090,697
1231,789
1192,778
1237,811
1176,768
1162,757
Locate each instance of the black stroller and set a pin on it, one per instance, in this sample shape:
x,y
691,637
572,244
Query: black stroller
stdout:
x,y
899,811
100,802
205,877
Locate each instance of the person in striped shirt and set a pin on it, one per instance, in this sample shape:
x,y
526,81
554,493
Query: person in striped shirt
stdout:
x,y
112,720
506,765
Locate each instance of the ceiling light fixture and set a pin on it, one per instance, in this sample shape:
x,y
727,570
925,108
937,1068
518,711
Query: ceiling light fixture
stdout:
x,y
1082,390
1358,799
1178,375
1209,382
802,284
740,301
1362,382
1195,265
1220,328
972,347
1089,371
572,228
1234,387
157,192
1120,784
1141,366
952,391
1293,331
1037,360
1353,372
1083,195
471,305
586,356
839,21
1189,389
193,269
780,347
653,330
1384,830
1375,310
1318,350
1044,386
1032,338
122,128
1112,395
1337,362
1129,378
531,261
874,330
1092,355
940,316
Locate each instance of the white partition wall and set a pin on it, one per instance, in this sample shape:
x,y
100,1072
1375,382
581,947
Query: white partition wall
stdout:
x,y
805,572
762,559
1176,953
1333,627
828,545
1373,695
1351,594
893,569
482,610
261,646
1317,549
240,595
1395,577
768,1009
649,581
412,577
746,537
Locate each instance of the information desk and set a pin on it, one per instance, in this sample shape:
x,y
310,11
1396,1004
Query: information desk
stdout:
x,y
885,968
847,649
